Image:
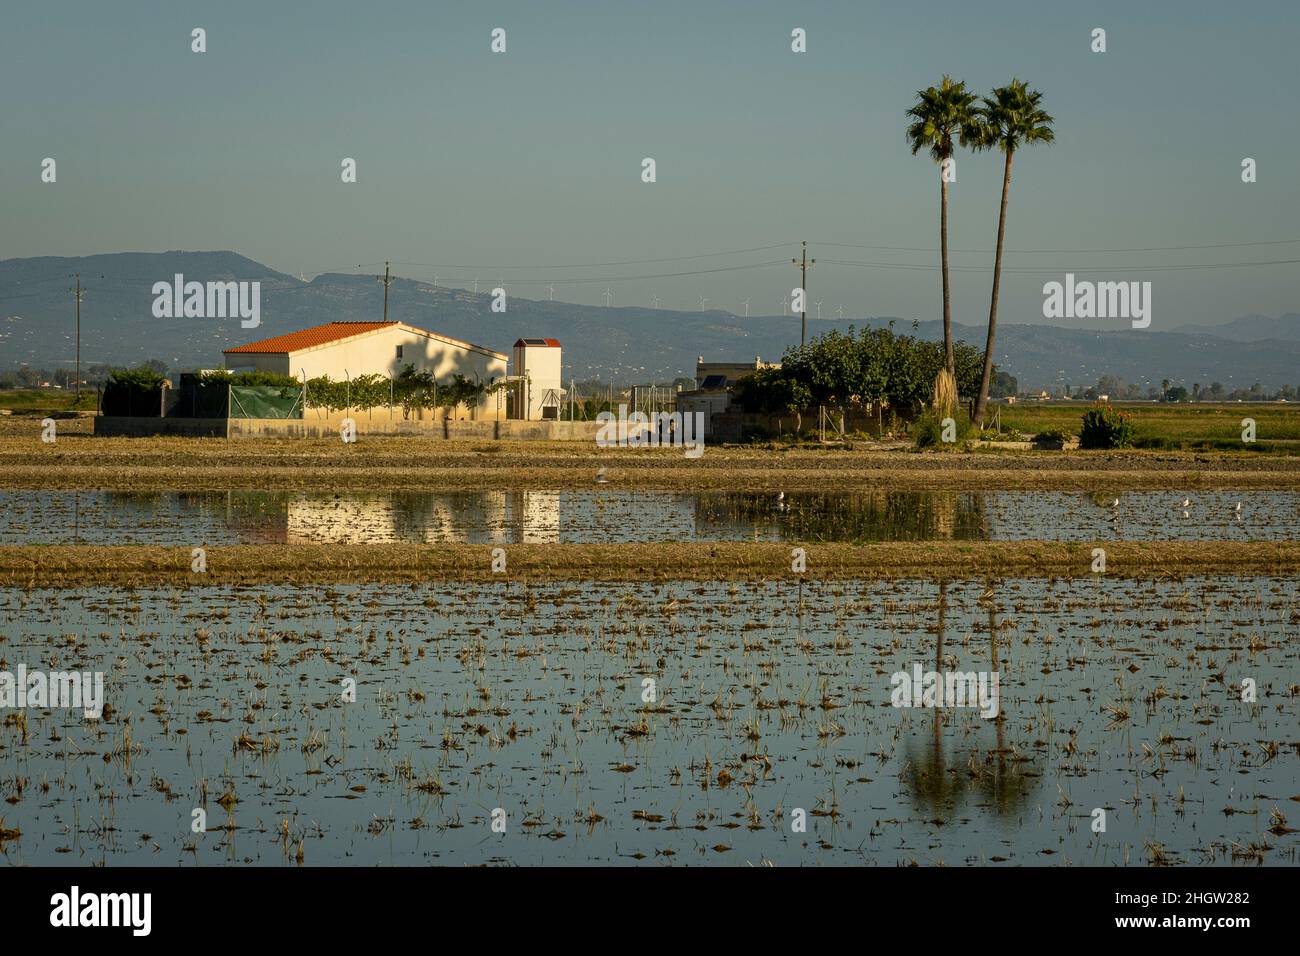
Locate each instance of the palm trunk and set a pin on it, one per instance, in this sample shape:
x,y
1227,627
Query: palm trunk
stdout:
x,y
981,402
949,363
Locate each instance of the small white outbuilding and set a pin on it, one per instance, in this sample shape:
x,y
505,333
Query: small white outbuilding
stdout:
x,y
538,379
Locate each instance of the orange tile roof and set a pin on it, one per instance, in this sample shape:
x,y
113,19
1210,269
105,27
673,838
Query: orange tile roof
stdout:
x,y
310,338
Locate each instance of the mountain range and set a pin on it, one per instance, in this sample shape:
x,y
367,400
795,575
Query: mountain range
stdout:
x,y
619,344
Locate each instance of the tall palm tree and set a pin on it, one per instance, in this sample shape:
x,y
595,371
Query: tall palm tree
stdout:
x,y
1008,119
940,113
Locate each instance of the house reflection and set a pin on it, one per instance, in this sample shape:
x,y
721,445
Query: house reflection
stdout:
x,y
473,517
534,516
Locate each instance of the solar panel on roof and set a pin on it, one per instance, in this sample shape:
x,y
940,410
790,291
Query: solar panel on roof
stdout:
x,y
534,341
714,381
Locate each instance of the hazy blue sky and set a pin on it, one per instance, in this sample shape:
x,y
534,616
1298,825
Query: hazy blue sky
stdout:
x,y
473,163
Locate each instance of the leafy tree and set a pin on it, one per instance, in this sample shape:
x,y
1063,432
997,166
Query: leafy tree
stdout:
x,y
1004,384
857,368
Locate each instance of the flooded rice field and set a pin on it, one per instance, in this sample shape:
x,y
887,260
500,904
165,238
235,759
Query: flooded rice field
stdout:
x,y
664,724
606,515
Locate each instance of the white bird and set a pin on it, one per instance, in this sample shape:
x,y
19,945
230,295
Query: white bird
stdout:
x,y
1187,502
1238,508
600,476
1115,503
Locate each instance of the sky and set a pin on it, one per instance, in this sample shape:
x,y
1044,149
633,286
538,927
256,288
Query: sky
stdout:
x,y
525,166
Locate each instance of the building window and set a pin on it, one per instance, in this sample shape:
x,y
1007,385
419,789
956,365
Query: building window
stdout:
x,y
399,351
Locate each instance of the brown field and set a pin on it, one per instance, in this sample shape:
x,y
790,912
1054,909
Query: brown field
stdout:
x,y
144,565
79,461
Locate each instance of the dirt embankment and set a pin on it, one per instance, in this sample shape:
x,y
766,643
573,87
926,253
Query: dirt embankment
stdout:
x,y
36,566
82,462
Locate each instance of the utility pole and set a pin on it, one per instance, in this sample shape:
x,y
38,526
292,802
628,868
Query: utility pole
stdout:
x,y
803,284
387,280
79,295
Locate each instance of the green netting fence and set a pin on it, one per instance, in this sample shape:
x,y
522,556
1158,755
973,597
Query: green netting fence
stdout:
x,y
265,401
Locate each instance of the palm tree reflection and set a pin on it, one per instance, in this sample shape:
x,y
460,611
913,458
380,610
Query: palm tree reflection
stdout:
x,y
939,786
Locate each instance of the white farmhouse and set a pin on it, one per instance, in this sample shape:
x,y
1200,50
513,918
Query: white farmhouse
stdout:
x,y
344,350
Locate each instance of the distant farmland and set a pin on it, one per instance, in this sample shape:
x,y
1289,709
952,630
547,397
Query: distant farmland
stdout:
x,y
1195,425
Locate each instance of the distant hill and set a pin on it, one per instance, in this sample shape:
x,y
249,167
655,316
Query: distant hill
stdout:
x,y
1252,328
622,344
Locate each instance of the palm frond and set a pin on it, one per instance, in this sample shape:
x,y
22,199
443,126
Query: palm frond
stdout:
x,y
939,114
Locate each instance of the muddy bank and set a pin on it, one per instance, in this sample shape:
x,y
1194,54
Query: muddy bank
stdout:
x,y
142,565
78,462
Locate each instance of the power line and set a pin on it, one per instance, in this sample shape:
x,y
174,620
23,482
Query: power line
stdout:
x,y
633,278
598,265
1213,245
1044,270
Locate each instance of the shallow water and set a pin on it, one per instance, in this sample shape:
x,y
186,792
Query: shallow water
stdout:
x,y
1114,694
608,515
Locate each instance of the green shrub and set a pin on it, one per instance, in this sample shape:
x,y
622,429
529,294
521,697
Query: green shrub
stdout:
x,y
1105,427
927,430
225,377
411,388
134,391
1052,436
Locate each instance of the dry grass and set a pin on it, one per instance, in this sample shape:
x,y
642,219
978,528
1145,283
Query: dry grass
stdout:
x,y
82,462
139,565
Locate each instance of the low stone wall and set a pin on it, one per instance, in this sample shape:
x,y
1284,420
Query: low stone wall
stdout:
x,y
449,429
734,425
328,427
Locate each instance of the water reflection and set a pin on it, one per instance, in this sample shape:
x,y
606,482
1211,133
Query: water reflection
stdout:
x,y
939,785
843,516
611,516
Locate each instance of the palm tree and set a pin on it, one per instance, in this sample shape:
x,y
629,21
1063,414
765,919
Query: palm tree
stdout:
x,y
941,113
1009,119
